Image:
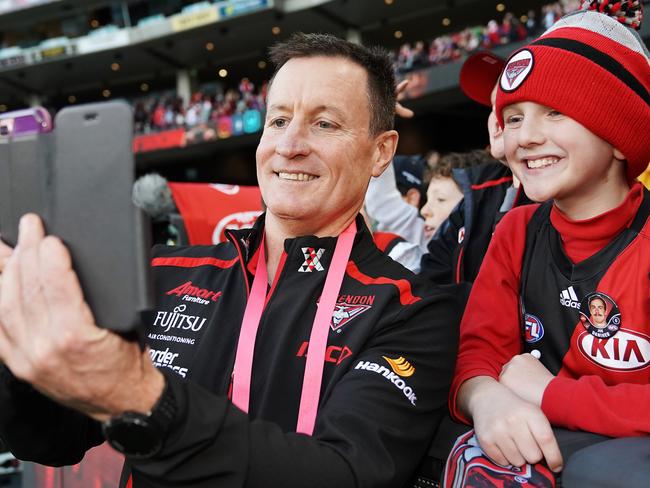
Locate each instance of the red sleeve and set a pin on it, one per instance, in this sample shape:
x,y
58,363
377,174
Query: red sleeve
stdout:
x,y
588,404
489,331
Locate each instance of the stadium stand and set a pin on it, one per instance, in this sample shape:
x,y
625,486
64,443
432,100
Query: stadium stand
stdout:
x,y
196,73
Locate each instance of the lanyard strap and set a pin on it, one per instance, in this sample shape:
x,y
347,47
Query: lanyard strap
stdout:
x,y
313,377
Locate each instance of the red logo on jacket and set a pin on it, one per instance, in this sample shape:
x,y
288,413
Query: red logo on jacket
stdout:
x,y
333,354
628,350
192,293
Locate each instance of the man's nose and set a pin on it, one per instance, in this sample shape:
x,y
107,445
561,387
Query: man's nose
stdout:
x,y
293,141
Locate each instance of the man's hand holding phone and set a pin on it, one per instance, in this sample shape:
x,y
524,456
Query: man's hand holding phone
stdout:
x,y
48,335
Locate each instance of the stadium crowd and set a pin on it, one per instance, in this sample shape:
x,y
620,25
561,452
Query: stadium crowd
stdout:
x,y
451,47
550,209
165,110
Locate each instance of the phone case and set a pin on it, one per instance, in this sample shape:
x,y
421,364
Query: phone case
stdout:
x,y
25,168
92,211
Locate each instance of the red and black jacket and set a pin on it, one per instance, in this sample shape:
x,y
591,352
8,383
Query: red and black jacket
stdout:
x,y
531,294
374,424
456,251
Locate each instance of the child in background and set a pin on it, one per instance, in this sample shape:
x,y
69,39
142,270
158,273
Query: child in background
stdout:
x,y
538,380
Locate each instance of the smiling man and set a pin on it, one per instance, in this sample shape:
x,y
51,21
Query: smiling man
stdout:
x,y
259,387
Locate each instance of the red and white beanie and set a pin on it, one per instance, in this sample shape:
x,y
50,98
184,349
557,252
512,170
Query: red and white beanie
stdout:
x,y
593,68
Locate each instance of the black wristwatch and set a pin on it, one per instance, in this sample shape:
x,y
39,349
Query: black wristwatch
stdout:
x,y
140,435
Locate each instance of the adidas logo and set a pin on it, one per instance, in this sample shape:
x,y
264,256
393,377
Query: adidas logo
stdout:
x,y
568,298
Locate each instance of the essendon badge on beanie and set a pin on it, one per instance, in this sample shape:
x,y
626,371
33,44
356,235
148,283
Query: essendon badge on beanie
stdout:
x,y
517,70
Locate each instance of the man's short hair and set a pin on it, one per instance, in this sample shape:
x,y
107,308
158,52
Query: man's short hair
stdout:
x,y
376,62
597,297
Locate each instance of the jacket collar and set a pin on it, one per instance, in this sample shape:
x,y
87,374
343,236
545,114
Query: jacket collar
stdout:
x,y
248,241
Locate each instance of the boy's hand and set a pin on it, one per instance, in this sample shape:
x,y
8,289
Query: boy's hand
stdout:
x,y
401,110
509,429
527,377
49,339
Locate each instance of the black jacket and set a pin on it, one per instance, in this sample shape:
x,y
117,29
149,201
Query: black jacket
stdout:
x,y
456,251
373,425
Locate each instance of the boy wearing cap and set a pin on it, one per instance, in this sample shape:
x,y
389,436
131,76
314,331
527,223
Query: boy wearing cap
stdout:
x,y
574,105
455,253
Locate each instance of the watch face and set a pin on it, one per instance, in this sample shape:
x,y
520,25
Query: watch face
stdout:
x,y
133,434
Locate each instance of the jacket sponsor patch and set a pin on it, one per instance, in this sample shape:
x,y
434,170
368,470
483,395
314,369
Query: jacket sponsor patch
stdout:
x,y
401,366
569,298
333,354
165,359
178,320
627,351
312,260
392,376
534,328
191,293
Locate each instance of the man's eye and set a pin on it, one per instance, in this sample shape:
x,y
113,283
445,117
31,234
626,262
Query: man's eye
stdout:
x,y
279,123
323,124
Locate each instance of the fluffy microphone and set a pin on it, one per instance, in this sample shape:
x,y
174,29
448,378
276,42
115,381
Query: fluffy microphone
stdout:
x,y
152,194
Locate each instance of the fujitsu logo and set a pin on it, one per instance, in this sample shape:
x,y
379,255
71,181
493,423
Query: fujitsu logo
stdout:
x,y
178,320
192,293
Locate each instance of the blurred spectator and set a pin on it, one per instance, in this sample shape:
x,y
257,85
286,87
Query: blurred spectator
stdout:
x,y
443,192
409,174
166,111
450,47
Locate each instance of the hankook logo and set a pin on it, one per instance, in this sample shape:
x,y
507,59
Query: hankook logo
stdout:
x,y
391,376
401,366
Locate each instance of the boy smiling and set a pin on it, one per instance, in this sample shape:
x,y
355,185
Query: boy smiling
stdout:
x,y
574,106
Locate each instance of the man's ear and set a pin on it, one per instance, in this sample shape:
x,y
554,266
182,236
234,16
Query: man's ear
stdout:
x,y
412,197
385,147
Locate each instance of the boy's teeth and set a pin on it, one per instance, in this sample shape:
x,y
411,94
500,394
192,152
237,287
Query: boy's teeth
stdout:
x,y
541,163
296,176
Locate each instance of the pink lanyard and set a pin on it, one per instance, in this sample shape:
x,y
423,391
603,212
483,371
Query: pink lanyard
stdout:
x,y
317,341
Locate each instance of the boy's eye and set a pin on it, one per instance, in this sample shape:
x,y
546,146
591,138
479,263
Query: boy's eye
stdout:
x,y
514,119
554,113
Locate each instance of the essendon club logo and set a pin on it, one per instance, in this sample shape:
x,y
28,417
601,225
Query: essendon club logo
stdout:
x,y
344,312
517,70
